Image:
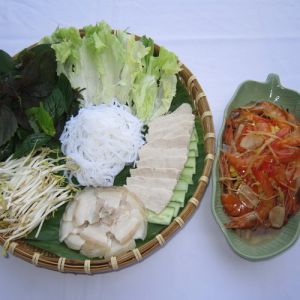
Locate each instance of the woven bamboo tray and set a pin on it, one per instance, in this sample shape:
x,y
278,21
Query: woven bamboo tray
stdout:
x,y
50,261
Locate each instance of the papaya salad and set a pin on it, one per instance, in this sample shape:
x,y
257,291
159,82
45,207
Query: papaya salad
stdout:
x,y
260,166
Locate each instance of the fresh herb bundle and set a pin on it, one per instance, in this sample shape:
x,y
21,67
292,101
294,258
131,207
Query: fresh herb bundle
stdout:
x,y
34,102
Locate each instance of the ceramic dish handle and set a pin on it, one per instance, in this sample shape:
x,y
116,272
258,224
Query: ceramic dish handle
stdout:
x,y
273,80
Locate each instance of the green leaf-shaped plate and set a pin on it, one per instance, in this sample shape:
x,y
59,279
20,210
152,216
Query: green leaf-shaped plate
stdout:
x,y
278,240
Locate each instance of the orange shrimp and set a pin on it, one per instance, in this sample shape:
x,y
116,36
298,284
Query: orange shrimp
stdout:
x,y
253,219
233,205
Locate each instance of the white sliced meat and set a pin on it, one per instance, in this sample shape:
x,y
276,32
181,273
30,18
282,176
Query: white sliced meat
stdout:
x,y
156,172
117,248
87,208
180,141
65,229
74,241
69,211
183,111
149,152
148,182
181,123
96,234
124,218
184,108
142,230
176,162
110,197
93,250
167,125
154,199
125,228
168,133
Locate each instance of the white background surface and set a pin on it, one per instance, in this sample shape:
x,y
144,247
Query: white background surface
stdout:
x,y
223,43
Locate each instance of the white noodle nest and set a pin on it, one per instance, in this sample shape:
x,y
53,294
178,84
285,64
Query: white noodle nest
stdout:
x,y
101,140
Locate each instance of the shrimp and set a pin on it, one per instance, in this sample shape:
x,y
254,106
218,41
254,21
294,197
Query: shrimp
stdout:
x,y
233,205
253,219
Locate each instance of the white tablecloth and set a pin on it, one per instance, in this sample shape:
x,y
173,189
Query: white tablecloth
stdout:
x,y
223,43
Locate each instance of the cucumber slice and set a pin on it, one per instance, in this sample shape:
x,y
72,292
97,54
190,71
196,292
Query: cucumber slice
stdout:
x,y
163,218
190,163
194,146
178,196
187,179
188,172
181,186
176,207
192,153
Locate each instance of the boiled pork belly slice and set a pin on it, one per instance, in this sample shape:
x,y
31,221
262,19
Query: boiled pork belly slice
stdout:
x,y
124,220
176,162
171,127
96,234
184,108
170,132
93,250
117,248
125,228
74,241
109,197
69,211
109,200
156,172
149,152
65,229
149,182
129,220
87,207
154,199
183,111
180,141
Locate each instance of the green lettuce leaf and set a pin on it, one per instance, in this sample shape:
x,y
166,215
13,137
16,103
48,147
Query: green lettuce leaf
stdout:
x,y
107,65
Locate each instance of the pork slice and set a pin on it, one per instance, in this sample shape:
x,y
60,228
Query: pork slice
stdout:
x,y
170,132
154,199
117,248
156,172
65,229
177,121
96,234
69,211
150,152
175,162
109,197
125,228
149,182
180,141
74,241
183,111
93,250
87,207
184,108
